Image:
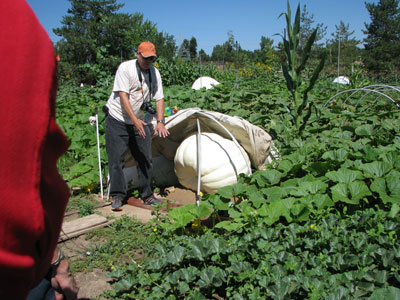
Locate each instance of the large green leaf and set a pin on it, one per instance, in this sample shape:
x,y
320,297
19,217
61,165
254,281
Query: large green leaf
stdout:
x,y
232,191
218,202
211,277
200,211
175,256
340,192
344,175
257,198
273,176
393,185
188,274
314,187
181,216
365,130
358,190
390,292
322,201
339,154
394,210
199,249
379,186
217,245
376,169
228,225
267,177
387,186
273,211
274,193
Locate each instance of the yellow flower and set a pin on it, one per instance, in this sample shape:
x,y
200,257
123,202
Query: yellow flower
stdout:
x,y
155,229
68,76
196,223
156,65
90,187
312,226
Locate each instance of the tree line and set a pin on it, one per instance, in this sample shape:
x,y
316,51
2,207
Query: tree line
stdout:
x,y
95,37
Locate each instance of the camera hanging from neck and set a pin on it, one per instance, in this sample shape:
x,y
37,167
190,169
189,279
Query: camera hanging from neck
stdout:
x,y
146,105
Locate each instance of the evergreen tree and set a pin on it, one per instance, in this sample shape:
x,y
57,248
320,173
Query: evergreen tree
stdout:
x,y
342,33
349,52
230,51
193,48
95,39
307,28
382,44
267,53
204,56
87,27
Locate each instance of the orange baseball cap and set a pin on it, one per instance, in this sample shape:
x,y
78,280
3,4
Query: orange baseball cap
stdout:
x,y
147,49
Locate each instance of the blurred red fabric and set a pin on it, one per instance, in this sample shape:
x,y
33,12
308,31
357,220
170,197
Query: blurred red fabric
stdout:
x,y
33,196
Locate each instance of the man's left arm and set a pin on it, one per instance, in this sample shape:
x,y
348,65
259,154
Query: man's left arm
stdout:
x,y
160,129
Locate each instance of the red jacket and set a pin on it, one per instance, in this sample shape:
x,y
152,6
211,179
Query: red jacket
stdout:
x,y
33,196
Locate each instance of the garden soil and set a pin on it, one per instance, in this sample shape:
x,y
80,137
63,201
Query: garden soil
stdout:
x,y
94,282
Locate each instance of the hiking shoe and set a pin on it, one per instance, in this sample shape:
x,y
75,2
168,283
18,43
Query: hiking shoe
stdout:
x,y
116,204
153,200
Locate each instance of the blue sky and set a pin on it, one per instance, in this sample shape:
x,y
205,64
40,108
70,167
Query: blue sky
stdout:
x,y
209,21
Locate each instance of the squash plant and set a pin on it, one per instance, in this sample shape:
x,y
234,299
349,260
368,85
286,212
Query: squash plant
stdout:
x,y
355,256
322,223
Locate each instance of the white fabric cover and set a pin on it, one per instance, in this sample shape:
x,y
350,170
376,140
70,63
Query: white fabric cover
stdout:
x,y
342,80
221,161
256,142
204,81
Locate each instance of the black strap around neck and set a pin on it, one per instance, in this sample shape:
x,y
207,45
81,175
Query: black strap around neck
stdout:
x,y
139,72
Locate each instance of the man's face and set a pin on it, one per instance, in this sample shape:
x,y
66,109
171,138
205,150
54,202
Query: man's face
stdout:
x,y
145,62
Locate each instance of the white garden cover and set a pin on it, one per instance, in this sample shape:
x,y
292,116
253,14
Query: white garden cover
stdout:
x,y
342,80
254,140
204,81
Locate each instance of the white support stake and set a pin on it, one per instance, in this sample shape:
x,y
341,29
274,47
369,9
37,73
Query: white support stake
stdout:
x,y
198,196
98,153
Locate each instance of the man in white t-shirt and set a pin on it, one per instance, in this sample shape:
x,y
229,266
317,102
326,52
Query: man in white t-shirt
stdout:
x,y
136,82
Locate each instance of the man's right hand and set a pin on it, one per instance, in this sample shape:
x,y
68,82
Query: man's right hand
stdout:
x,y
64,283
139,127
136,122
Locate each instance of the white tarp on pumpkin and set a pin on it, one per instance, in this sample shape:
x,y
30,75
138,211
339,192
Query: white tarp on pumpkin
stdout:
x,y
255,141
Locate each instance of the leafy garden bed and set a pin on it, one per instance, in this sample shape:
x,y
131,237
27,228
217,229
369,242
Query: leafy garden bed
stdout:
x,y
321,223
351,256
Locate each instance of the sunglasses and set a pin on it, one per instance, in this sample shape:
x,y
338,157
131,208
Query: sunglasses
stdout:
x,y
152,58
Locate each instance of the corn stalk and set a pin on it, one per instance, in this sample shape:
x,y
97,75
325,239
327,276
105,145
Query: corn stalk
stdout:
x,y
292,71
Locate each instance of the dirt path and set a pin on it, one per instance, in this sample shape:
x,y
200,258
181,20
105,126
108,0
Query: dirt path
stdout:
x,y
93,283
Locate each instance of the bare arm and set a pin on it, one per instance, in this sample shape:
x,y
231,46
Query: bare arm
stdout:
x,y
127,107
62,280
160,129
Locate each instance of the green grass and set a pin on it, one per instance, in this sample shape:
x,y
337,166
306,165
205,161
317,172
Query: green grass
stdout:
x,y
126,241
